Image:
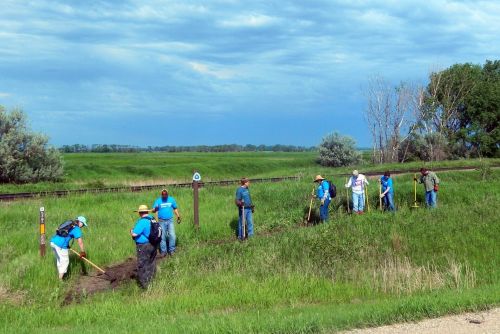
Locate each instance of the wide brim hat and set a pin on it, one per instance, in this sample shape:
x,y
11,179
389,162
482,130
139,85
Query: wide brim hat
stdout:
x,y
318,178
142,208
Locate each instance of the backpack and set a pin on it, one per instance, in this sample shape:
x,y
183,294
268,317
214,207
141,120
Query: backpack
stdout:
x,y
332,189
66,227
155,232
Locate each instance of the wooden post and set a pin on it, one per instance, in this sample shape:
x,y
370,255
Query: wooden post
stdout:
x,y
42,231
196,180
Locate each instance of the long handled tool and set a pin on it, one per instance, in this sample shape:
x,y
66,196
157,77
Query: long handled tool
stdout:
x,y
88,261
367,201
243,223
415,204
310,206
347,197
380,195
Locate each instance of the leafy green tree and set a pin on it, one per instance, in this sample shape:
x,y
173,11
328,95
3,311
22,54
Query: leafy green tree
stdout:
x,y
25,155
482,114
336,150
462,104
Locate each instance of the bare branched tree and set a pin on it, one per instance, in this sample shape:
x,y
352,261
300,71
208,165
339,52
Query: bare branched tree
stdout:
x,y
390,115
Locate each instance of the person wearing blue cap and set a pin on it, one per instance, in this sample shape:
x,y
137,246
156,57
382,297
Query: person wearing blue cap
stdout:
x,y
70,229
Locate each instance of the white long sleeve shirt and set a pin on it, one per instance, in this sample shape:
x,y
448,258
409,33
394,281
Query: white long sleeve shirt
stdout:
x,y
357,183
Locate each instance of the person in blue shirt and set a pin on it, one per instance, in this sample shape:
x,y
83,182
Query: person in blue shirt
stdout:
x,y
146,253
60,244
323,194
387,193
245,206
166,206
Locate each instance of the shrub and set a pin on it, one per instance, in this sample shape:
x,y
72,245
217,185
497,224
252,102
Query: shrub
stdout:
x,y
24,155
336,151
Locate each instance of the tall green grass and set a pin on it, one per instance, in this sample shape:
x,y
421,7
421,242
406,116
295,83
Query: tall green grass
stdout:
x,y
97,170
354,271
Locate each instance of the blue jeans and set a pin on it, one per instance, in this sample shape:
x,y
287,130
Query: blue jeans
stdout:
x,y
323,210
168,229
431,199
248,225
389,201
358,201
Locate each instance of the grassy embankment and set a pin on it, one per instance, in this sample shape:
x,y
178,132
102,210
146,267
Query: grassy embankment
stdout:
x,y
355,271
96,170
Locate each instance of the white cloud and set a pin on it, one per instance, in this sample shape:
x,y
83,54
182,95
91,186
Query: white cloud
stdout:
x,y
4,95
218,73
249,21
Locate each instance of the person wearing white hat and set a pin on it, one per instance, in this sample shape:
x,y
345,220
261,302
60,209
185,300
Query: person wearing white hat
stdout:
x,y
70,229
357,183
323,194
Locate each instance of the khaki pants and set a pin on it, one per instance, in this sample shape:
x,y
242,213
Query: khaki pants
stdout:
x,y
62,258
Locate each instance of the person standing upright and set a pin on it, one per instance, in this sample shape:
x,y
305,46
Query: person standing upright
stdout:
x,y
146,252
166,206
357,183
387,191
431,185
245,206
323,194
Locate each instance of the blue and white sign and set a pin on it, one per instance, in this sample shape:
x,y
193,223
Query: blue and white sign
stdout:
x,y
197,177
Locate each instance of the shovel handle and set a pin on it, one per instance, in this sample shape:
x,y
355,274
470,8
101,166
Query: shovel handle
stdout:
x,y
310,206
88,261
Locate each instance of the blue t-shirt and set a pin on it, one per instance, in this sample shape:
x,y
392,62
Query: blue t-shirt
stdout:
x,y
243,194
63,242
323,189
387,183
142,228
165,208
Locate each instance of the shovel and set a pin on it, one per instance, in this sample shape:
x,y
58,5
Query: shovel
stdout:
x,y
380,195
111,278
243,223
310,206
367,201
347,197
415,204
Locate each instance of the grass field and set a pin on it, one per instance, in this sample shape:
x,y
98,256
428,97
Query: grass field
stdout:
x,y
352,272
97,170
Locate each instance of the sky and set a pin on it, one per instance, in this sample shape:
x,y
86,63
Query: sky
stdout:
x,y
166,72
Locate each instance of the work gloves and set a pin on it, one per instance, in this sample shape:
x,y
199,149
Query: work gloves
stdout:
x,y
382,196
322,201
83,254
253,208
415,179
436,187
179,220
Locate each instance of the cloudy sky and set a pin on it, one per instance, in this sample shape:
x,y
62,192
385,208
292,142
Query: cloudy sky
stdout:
x,y
166,72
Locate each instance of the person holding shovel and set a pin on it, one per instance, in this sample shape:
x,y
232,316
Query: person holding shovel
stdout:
x,y
146,252
166,206
357,183
431,185
59,243
323,194
387,191
245,206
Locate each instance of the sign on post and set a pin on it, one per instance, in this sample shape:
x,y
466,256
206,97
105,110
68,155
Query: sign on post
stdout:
x,y
196,180
42,231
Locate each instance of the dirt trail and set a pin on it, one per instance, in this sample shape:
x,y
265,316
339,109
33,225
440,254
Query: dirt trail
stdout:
x,y
470,323
115,276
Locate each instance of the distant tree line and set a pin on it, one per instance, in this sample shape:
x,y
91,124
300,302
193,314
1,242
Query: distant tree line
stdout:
x,y
457,115
104,148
